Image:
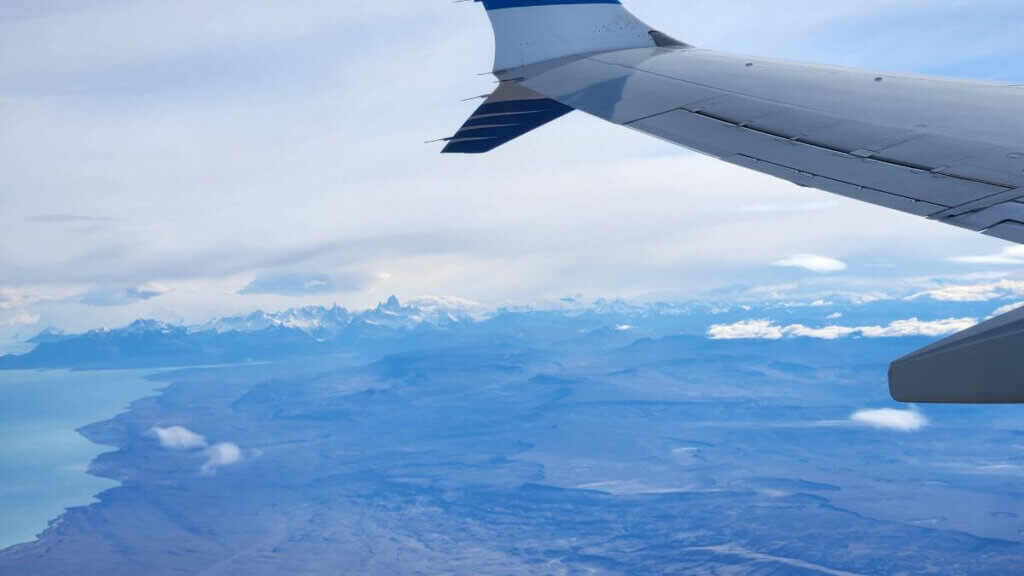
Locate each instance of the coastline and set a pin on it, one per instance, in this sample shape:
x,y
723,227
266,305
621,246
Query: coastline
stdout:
x,y
48,451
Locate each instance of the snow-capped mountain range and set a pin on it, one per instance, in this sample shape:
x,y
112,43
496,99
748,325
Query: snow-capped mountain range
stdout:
x,y
326,322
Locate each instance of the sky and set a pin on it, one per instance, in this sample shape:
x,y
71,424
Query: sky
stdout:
x,y
186,160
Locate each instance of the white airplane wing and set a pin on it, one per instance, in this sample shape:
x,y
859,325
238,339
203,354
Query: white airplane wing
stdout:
x,y
948,150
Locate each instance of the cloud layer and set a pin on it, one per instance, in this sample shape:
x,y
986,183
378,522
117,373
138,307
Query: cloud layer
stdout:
x,y
981,292
306,284
1011,256
770,330
218,145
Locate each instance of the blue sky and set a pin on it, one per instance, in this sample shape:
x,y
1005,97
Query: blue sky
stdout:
x,y
183,160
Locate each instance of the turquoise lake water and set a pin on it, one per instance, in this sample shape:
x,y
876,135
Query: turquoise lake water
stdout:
x,y
42,458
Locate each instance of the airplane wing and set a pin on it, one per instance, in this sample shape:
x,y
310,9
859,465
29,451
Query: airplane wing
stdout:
x,y
948,150
951,151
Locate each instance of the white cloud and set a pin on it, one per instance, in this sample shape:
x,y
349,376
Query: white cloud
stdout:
x,y
782,208
120,296
835,316
868,298
23,319
973,292
11,299
1007,309
623,328
825,333
1013,255
890,419
915,327
769,330
178,438
222,454
746,330
813,262
445,238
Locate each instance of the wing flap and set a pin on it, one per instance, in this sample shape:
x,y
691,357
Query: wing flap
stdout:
x,y
723,139
510,112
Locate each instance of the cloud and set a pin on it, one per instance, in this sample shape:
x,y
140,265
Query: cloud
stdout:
x,y
783,208
11,299
825,333
306,284
222,454
747,330
178,438
1013,255
1007,309
973,292
23,319
428,222
119,296
66,219
813,262
890,419
769,330
915,327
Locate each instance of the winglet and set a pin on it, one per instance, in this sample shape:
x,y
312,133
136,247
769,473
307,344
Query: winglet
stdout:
x,y
530,31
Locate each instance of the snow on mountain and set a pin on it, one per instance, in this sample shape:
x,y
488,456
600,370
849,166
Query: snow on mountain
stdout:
x,y
322,322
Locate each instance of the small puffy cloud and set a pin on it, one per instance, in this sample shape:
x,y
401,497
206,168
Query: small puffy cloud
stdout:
x,y
306,284
178,438
623,328
22,319
973,292
813,262
746,330
890,419
222,454
1013,255
120,296
769,330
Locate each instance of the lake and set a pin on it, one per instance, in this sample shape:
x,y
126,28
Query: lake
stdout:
x,y
43,460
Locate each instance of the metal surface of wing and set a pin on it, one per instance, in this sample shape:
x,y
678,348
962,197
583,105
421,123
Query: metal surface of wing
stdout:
x,y
904,142
983,365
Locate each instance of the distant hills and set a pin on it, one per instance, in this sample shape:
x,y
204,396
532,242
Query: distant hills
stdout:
x,y
316,330
423,323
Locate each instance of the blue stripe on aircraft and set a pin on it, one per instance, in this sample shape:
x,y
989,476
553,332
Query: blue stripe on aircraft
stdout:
x,y
502,4
512,106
